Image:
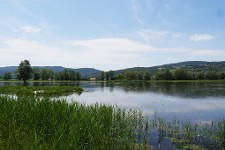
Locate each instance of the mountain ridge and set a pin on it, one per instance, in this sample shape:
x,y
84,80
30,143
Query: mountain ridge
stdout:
x,y
92,72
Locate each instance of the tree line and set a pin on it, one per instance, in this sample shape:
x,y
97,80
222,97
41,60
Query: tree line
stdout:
x,y
165,74
25,72
185,74
125,75
48,74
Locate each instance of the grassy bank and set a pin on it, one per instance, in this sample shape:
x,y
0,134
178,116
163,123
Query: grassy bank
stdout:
x,y
40,90
31,123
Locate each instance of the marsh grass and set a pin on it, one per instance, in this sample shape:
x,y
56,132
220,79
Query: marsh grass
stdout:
x,y
43,123
184,135
38,121
54,91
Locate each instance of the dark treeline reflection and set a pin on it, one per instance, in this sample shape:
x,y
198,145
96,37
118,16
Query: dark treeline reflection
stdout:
x,y
185,89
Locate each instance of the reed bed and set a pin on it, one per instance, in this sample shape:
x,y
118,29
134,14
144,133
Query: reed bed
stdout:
x,y
185,135
43,123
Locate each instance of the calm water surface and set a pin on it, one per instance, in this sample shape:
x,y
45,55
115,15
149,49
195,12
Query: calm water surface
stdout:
x,y
195,102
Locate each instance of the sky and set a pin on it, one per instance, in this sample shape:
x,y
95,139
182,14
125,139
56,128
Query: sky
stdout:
x,y
111,34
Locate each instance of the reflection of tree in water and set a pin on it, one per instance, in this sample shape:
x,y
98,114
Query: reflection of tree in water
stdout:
x,y
135,86
181,89
190,90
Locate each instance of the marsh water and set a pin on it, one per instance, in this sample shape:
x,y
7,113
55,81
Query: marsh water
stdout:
x,y
187,101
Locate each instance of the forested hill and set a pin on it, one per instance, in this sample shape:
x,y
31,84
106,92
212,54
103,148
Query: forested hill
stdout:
x,y
91,72
189,65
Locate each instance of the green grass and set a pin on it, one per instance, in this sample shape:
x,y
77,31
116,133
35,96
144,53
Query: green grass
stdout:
x,y
184,135
38,121
43,123
58,90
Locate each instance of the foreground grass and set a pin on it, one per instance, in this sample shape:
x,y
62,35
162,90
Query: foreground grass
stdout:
x,y
34,123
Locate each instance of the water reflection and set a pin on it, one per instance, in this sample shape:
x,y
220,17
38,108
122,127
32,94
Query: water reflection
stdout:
x,y
198,102
191,90
185,89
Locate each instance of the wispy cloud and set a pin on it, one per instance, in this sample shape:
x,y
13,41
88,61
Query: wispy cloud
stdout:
x,y
151,34
120,45
100,53
135,9
201,37
106,53
30,29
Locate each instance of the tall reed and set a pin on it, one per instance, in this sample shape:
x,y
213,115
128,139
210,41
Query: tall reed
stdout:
x,y
43,123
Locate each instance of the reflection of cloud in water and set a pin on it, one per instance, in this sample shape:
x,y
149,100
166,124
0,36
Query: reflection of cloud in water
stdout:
x,y
208,106
187,101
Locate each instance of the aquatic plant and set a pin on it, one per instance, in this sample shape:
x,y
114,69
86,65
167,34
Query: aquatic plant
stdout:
x,y
185,135
43,123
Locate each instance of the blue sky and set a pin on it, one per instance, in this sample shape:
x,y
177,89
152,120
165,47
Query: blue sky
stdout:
x,y
111,34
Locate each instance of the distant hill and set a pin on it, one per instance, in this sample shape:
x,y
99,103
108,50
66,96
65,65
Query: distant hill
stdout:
x,y
190,65
91,72
7,69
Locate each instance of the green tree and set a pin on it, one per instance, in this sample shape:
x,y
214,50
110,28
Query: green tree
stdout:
x,y
78,76
7,76
163,74
36,72
111,75
44,74
72,75
180,74
146,76
107,76
24,71
102,75
47,74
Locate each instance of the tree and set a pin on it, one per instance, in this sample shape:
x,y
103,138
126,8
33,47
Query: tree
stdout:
x,y
78,76
180,74
24,71
102,75
111,75
44,74
72,75
107,76
146,76
7,76
37,74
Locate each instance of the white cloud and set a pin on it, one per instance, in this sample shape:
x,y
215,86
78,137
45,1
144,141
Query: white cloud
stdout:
x,y
105,53
201,37
30,29
111,45
101,53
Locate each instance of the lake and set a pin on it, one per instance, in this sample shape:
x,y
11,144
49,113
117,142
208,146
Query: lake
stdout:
x,y
187,101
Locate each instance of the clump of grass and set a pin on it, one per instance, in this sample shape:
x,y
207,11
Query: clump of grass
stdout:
x,y
43,123
40,90
184,135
